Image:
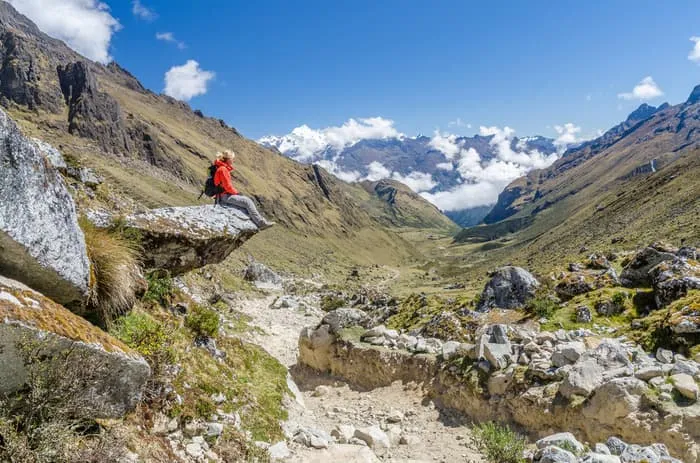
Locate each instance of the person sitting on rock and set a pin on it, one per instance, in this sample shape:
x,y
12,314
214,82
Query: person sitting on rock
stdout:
x,y
230,196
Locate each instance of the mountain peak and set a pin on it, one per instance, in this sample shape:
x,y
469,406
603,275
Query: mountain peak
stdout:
x,y
642,112
694,96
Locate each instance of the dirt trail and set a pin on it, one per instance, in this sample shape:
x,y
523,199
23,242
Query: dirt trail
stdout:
x,y
428,434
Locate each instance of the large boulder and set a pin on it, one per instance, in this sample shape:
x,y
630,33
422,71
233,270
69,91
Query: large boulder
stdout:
x,y
262,276
636,273
180,239
595,367
509,288
86,372
673,279
41,243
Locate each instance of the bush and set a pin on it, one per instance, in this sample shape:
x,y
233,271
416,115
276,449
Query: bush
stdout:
x,y
160,288
542,306
114,273
620,299
203,321
142,333
499,443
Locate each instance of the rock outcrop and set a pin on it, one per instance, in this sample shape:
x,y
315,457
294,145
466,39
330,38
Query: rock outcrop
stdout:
x,y
91,113
636,272
509,288
180,239
91,374
41,243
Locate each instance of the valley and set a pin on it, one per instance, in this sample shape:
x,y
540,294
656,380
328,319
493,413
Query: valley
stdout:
x,y
478,299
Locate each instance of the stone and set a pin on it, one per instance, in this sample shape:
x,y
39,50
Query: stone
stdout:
x,y
583,314
647,372
616,445
450,350
601,449
685,385
562,439
664,355
554,455
598,262
344,453
599,458
574,284
374,437
673,279
262,276
498,383
279,451
615,399
687,367
376,332
509,288
84,175
498,355
314,438
342,318
194,450
636,273
321,391
343,433
97,375
41,242
395,416
181,239
215,429
584,377
567,353
637,454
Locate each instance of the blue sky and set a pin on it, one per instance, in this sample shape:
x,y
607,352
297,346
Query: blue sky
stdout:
x,y
529,65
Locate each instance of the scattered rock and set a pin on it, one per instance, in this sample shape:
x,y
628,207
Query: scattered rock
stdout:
x,y
664,355
262,276
673,279
343,433
509,288
583,314
636,273
562,439
616,445
685,385
554,455
342,318
279,451
374,437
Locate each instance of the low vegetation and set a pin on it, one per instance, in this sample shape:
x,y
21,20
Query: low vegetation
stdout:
x,y
160,288
114,273
542,306
499,443
202,321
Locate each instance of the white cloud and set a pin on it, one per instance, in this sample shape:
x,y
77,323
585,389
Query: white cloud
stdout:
x,y
445,143
143,12
86,26
589,97
377,171
482,181
694,54
416,181
566,136
646,89
306,144
170,37
444,166
333,168
187,81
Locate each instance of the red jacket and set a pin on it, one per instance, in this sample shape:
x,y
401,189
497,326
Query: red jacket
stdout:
x,y
222,177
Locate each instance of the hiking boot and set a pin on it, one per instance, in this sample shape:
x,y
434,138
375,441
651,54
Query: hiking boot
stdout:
x,y
265,225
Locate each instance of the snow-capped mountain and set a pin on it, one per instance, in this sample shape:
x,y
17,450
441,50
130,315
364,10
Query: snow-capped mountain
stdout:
x,y
456,173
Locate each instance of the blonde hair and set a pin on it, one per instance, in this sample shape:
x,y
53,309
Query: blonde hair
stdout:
x,y
226,155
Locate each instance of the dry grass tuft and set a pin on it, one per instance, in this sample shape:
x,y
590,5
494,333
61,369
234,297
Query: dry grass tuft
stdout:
x,y
115,275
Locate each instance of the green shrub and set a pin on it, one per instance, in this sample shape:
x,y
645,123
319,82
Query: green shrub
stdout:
x,y
542,306
114,273
620,299
499,443
142,333
160,288
202,321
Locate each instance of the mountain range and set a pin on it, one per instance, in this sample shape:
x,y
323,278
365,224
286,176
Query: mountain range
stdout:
x,y
446,169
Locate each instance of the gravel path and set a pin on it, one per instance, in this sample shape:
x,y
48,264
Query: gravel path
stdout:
x,y
400,409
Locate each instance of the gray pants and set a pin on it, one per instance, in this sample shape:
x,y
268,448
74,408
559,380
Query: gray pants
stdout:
x,y
245,203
